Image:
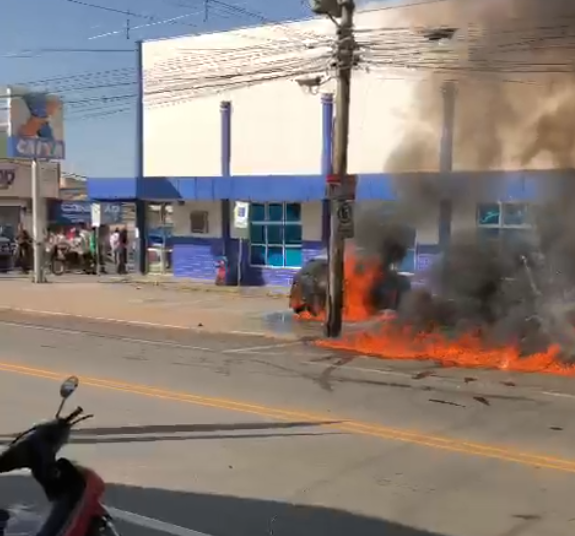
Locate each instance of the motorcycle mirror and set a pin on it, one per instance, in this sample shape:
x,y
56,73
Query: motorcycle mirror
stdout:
x,y
69,385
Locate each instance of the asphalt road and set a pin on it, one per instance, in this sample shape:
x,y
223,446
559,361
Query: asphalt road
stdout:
x,y
242,436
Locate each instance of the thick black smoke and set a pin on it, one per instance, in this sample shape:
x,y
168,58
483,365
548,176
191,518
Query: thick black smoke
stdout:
x,y
515,109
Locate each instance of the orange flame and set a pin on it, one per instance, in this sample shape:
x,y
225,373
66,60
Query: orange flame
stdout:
x,y
391,341
359,277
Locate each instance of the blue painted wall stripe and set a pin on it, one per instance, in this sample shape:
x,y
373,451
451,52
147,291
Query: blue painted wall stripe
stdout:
x,y
497,185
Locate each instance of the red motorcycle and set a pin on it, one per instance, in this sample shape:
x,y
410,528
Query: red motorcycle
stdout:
x,y
74,492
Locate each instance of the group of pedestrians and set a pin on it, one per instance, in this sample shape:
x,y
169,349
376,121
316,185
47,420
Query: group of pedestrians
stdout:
x,y
94,246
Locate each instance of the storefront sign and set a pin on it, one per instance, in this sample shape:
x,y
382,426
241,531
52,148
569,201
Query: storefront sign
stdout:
x,y
7,177
77,212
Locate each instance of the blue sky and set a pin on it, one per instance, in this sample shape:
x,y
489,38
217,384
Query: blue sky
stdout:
x,y
37,38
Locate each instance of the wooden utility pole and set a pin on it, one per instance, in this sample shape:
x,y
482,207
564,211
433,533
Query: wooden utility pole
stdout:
x,y
340,204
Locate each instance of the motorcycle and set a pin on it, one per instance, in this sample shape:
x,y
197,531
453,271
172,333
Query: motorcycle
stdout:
x,y
64,258
74,492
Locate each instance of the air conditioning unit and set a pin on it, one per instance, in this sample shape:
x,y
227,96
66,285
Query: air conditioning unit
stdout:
x,y
326,7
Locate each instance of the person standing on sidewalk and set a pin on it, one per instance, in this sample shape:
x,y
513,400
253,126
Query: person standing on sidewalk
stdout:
x,y
115,247
24,251
123,251
86,243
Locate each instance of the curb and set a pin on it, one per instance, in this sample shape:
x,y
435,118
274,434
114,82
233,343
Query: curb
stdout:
x,y
153,325
245,292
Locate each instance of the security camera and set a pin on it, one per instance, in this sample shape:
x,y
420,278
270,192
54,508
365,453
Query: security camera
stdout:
x,y
331,8
309,82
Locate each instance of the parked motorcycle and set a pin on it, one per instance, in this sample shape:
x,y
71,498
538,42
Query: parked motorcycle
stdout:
x,y
64,258
75,492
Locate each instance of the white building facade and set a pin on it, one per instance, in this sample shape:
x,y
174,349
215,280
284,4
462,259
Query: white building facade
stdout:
x,y
241,108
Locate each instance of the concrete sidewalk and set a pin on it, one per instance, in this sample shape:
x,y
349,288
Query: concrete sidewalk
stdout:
x,y
145,304
159,280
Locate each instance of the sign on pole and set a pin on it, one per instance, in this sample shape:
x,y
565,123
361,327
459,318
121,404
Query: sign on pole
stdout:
x,y
345,218
96,214
35,125
343,188
241,215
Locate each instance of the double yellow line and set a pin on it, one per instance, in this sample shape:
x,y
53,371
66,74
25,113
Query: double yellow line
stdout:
x,y
349,426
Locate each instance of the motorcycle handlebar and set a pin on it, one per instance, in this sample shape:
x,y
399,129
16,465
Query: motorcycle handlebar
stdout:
x,y
76,413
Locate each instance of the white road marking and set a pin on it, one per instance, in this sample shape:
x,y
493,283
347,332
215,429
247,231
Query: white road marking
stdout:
x,y
139,323
558,395
250,349
360,369
115,337
153,524
96,318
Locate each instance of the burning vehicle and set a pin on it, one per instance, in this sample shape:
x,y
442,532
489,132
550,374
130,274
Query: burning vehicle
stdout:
x,y
372,282
493,303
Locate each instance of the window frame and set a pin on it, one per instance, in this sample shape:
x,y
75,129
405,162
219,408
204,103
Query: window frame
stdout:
x,y
283,224
499,229
501,223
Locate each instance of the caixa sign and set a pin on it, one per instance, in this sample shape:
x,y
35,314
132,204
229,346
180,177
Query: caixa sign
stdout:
x,y
70,207
7,178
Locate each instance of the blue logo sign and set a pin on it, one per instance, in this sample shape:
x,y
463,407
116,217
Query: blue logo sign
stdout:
x,y
40,148
71,207
74,212
7,178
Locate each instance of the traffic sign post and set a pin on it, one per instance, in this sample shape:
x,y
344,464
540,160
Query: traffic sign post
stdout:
x,y
338,188
242,224
345,218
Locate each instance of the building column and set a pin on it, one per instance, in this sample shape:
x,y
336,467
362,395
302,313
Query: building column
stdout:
x,y
141,225
225,169
449,92
326,160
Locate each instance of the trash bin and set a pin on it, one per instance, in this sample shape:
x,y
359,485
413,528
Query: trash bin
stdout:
x,y
221,266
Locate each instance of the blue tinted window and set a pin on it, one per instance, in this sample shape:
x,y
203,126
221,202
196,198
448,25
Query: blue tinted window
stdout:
x,y
293,235
258,212
257,234
275,257
293,212
293,257
488,214
275,235
275,212
515,214
258,255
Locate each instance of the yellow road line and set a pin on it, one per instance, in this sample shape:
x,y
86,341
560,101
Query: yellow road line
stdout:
x,y
350,426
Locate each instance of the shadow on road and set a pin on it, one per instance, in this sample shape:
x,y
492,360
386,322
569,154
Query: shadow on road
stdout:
x,y
223,515
188,432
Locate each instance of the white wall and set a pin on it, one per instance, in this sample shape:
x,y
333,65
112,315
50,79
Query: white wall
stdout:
x,y
22,185
276,125
181,216
396,112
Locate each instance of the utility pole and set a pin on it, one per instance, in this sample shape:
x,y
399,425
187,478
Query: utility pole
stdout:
x,y
340,190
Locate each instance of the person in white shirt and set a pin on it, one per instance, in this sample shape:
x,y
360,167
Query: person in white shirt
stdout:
x,y
115,246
